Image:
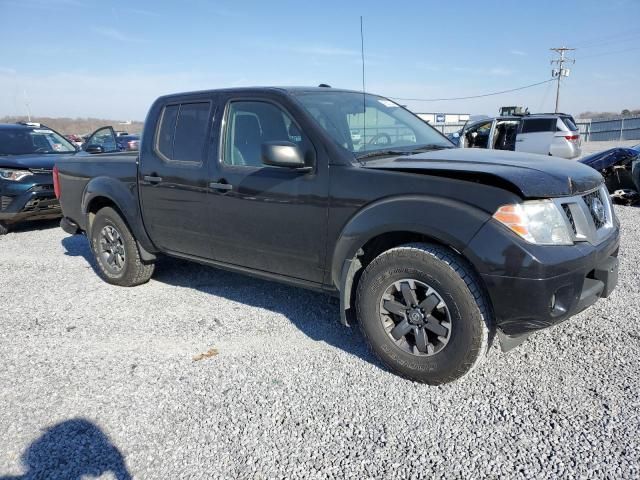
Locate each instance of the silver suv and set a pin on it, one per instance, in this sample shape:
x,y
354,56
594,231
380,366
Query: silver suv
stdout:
x,y
553,134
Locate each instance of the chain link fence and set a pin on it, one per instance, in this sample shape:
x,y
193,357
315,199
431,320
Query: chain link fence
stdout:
x,y
618,129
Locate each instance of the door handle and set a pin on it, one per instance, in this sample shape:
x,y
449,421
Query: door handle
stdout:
x,y
152,179
520,140
220,186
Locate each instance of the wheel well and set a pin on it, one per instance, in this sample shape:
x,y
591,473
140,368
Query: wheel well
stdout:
x,y
374,247
389,240
99,203
96,204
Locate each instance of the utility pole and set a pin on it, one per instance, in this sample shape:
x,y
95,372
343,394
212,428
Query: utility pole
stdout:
x,y
27,104
560,72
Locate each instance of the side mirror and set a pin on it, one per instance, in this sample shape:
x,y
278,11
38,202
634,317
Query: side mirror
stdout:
x,y
456,135
282,154
94,149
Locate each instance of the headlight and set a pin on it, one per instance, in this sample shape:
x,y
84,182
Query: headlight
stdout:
x,y
537,221
14,175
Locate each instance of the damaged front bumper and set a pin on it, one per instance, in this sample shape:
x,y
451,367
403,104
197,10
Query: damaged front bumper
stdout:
x,y
535,287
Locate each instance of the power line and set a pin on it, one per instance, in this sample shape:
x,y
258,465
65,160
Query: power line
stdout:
x,y
602,54
471,96
625,39
597,41
544,98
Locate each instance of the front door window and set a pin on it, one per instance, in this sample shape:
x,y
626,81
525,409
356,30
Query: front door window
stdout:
x,y
477,136
250,124
104,138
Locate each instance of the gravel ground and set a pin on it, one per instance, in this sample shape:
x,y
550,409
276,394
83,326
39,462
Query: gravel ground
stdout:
x,y
101,381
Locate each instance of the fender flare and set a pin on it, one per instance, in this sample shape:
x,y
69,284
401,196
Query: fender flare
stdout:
x,y
449,222
125,198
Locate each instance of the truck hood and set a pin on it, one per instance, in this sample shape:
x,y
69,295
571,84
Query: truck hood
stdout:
x,y
35,160
530,175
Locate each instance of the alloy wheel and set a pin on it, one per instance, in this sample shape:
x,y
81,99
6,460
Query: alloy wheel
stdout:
x,y
112,251
416,317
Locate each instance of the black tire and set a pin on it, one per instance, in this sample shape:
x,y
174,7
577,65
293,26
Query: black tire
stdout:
x,y
124,268
4,228
463,312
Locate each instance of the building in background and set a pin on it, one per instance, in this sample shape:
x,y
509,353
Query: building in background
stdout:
x,y
445,122
443,118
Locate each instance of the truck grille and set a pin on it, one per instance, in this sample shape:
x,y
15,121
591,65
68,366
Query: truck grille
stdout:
x,y
567,212
596,208
5,202
589,216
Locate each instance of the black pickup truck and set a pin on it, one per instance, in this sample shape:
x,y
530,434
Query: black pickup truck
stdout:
x,y
433,250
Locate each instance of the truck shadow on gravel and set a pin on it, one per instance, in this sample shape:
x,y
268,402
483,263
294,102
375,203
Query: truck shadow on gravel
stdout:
x,y
315,314
72,450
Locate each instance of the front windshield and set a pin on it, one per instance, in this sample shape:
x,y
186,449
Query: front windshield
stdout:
x,y
22,141
368,123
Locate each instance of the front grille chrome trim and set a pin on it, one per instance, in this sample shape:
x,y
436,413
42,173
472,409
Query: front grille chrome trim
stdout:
x,y
582,222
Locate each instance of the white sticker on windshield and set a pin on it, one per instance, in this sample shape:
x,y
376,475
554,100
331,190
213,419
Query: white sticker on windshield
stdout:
x,y
35,130
387,103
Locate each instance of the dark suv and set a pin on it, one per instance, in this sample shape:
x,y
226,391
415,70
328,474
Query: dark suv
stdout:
x,y
27,154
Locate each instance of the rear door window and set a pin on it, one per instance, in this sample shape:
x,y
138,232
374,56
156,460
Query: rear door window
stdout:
x,y
536,125
164,141
183,132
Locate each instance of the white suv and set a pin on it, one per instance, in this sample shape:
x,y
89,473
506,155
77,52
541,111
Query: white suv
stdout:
x,y
553,134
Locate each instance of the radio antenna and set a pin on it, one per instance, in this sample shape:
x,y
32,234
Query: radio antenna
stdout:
x,y
364,104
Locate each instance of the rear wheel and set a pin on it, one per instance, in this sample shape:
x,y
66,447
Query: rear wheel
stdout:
x,y
116,251
4,228
424,313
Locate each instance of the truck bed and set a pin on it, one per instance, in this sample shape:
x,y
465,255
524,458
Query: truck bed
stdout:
x,y
75,173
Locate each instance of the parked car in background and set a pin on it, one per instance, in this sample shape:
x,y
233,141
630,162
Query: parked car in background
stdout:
x,y
620,168
543,133
107,140
77,140
431,249
128,143
28,152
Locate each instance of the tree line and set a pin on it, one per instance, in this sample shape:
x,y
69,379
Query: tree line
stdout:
x,y
600,115
77,126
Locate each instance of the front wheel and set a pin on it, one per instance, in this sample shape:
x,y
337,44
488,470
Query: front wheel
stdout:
x,y
116,251
424,313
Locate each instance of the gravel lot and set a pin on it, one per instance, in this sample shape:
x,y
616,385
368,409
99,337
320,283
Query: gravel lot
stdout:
x,y
101,381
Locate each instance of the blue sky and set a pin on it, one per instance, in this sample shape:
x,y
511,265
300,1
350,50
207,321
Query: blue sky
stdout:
x,y
110,59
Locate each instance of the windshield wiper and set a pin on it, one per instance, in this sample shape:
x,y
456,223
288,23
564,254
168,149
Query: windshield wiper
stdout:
x,y
419,149
431,146
381,153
